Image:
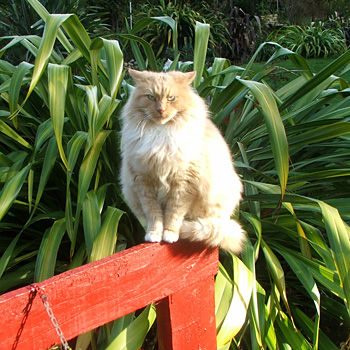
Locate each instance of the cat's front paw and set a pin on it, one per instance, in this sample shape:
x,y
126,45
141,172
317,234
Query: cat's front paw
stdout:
x,y
153,236
170,236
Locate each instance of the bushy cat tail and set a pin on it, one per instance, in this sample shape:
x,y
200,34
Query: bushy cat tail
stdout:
x,y
215,232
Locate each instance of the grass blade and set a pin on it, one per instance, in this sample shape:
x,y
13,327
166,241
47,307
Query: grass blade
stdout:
x,y
143,23
73,151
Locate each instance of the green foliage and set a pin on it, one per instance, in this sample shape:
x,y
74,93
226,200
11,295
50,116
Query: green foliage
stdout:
x,y
60,204
160,36
294,229
185,17
17,17
315,40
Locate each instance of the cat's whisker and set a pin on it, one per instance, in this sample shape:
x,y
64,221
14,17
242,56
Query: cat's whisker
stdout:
x,y
144,122
175,121
139,123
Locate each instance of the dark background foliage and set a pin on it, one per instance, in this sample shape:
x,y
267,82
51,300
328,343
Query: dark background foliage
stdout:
x,y
237,27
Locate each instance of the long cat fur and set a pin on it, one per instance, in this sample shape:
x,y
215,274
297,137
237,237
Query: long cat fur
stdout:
x,y
177,171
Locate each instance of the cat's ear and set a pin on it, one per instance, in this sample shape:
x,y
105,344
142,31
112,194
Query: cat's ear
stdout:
x,y
188,77
137,75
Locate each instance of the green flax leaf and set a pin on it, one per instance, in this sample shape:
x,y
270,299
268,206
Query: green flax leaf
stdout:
x,y
46,46
338,234
152,61
294,337
47,256
15,86
86,172
48,164
6,257
236,314
105,241
58,79
11,189
276,131
276,272
92,109
91,219
202,32
315,81
132,337
307,280
114,61
8,131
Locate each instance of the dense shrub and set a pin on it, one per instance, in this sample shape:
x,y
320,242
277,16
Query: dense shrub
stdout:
x,y
315,40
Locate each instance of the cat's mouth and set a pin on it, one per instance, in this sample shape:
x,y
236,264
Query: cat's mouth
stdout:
x,y
159,119
162,119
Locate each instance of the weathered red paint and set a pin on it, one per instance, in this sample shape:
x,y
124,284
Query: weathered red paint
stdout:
x,y
179,275
186,319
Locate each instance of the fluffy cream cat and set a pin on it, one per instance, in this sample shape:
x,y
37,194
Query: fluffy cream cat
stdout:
x,y
177,171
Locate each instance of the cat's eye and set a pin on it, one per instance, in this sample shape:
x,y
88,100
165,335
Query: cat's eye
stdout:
x,y
151,97
171,98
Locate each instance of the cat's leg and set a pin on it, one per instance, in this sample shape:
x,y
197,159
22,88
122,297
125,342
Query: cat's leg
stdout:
x,y
151,208
177,205
133,200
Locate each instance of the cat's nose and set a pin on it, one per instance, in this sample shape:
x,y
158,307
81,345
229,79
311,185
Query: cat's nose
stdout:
x,y
160,110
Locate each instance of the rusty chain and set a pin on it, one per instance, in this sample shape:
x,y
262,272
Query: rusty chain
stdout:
x,y
53,319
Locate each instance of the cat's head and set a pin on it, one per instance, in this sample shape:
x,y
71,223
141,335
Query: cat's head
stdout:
x,y
161,97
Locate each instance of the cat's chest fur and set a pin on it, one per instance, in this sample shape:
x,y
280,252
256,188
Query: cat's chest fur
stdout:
x,y
162,150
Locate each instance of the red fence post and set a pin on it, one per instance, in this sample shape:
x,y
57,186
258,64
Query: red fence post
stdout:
x,y
186,319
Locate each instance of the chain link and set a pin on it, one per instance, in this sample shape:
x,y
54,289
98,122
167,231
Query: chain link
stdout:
x,y
53,319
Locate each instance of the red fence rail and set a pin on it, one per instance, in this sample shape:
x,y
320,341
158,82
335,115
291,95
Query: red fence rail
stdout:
x,y
179,277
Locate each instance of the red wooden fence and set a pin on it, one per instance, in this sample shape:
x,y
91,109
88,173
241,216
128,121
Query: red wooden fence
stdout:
x,y
179,277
